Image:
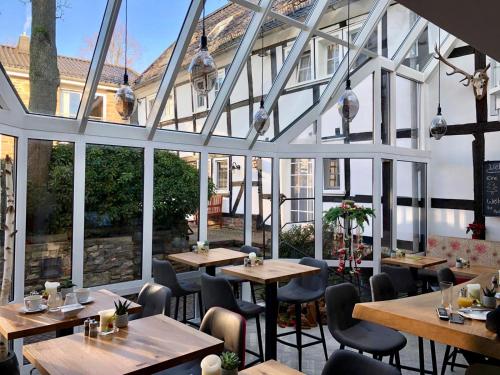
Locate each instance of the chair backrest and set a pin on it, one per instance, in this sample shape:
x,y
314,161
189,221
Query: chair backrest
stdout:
x,y
154,299
445,274
164,274
347,362
313,282
251,249
229,327
217,292
401,278
382,287
340,300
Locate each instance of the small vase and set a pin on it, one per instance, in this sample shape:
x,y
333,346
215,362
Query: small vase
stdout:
x,y
229,372
121,321
489,302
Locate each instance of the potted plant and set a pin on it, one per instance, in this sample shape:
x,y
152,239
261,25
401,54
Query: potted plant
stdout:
x,y
66,287
488,299
229,363
121,313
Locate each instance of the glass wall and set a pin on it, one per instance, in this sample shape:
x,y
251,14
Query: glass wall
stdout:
x,y
407,105
7,216
176,202
386,209
113,214
226,206
412,207
296,221
49,213
262,169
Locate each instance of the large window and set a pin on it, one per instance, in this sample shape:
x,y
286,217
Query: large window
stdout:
x,y
49,213
113,214
221,174
69,101
331,174
332,58
304,67
407,107
262,169
302,190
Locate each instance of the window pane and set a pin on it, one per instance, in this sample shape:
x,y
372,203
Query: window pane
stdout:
x,y
49,213
407,113
113,214
262,169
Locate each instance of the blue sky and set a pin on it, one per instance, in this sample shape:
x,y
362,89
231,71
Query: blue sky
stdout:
x,y
153,24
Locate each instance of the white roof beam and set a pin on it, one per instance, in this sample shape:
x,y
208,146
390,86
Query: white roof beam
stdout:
x,y
415,32
174,65
446,47
98,60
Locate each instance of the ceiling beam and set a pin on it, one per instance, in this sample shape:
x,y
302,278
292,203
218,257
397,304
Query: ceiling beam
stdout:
x,y
409,41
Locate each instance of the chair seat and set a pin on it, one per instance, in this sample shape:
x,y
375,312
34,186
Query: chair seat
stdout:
x,y
371,338
297,294
190,286
250,310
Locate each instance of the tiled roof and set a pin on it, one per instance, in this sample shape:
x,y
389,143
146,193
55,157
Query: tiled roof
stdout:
x,y
69,67
229,23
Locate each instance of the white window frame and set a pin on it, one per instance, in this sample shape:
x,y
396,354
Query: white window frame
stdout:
x,y
67,91
307,70
197,105
215,174
310,188
340,190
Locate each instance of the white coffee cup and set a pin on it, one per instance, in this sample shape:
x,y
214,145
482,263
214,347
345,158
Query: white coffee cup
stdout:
x,y
82,294
33,302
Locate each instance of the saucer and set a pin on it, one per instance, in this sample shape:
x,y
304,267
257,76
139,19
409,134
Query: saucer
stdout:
x,y
40,309
89,300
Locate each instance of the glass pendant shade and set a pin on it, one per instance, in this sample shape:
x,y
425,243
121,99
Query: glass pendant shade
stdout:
x,y
202,70
125,101
261,120
348,104
438,125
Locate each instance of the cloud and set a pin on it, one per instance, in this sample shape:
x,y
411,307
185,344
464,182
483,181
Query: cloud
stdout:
x,y
27,20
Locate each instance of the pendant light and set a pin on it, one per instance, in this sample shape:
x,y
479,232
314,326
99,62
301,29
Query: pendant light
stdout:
x,y
125,100
348,104
438,123
261,118
202,70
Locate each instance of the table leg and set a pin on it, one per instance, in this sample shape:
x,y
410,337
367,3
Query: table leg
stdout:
x,y
210,270
421,355
433,357
271,320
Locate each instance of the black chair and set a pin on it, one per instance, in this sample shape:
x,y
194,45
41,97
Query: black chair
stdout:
x,y
304,290
225,325
237,281
402,279
382,287
181,285
357,334
446,275
217,292
154,299
346,362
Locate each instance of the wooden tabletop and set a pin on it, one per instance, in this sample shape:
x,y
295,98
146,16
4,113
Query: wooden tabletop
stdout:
x,y
271,271
417,315
271,367
215,257
414,261
15,324
146,346
472,271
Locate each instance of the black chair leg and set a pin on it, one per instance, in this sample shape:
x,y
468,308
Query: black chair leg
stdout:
x,y
454,358
200,306
176,315
391,359
298,331
318,318
259,339
433,358
184,313
398,362
252,290
445,359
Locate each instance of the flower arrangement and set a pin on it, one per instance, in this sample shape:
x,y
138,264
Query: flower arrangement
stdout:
x,y
477,230
345,219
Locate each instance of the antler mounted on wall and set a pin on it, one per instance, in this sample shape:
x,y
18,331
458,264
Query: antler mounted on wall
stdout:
x,y
479,79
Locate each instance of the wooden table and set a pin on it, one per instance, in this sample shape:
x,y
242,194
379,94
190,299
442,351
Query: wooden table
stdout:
x,y
146,346
215,258
472,271
15,324
271,367
417,316
414,261
269,274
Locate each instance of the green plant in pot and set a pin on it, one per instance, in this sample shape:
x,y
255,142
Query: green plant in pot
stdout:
x,y
121,313
488,298
66,287
229,363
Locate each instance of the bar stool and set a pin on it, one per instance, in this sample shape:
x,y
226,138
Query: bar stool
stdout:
x,y
304,290
346,362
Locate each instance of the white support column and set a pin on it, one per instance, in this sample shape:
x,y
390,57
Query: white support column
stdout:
x,y
248,199
377,206
202,229
174,66
78,213
276,207
392,108
147,225
377,106
394,223
236,68
318,208
98,60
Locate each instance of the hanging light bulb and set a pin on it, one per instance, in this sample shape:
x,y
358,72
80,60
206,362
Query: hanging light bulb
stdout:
x,y
348,104
438,124
125,99
202,70
261,118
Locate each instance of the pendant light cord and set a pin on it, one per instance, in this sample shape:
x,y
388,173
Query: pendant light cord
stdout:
x,y
262,67
348,82
125,76
204,40
439,73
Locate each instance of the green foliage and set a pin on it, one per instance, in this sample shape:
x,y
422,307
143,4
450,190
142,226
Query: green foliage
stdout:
x,y
349,211
121,308
297,242
66,283
489,292
229,361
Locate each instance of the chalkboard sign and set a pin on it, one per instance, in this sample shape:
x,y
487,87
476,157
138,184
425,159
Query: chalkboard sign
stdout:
x,y
491,188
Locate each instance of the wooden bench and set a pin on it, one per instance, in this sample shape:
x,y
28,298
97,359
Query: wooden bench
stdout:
x,y
214,210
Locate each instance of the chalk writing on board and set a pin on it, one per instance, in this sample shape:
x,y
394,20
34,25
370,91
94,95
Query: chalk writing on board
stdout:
x,y
491,185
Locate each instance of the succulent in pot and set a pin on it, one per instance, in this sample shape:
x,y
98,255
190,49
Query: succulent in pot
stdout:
x,y
66,287
488,299
229,363
121,313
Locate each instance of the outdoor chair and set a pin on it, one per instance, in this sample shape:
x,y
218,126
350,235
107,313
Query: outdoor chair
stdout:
x,y
346,362
154,299
382,288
